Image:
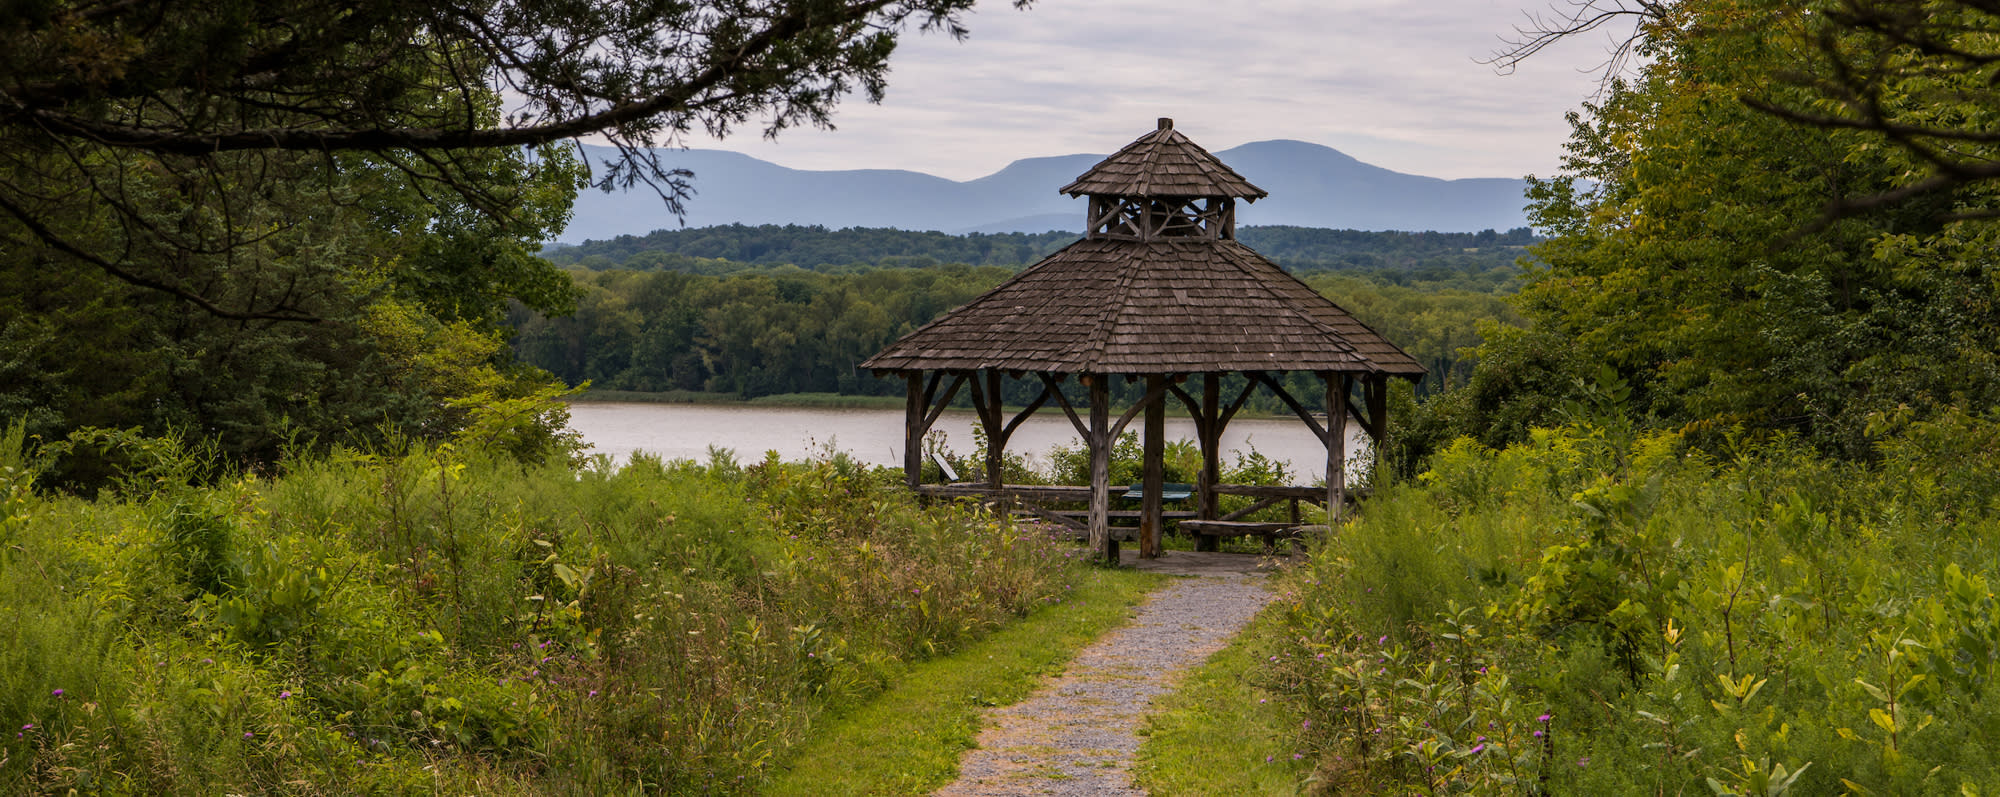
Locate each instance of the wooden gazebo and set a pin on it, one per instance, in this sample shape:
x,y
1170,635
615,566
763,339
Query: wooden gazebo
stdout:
x,y
1158,289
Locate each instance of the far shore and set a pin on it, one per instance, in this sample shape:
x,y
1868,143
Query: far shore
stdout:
x,y
815,401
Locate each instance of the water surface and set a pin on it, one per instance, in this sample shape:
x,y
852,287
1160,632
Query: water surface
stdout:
x,y
875,436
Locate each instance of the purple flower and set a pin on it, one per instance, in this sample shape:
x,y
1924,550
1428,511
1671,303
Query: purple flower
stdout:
x,y
1538,734
593,693
1544,719
1267,759
1297,756
285,695
1476,749
28,727
1385,638
249,735
57,693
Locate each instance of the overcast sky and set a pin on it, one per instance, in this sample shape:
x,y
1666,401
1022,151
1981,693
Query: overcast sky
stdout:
x,y
1394,83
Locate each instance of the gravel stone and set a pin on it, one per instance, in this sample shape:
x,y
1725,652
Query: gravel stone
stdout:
x,y
1077,734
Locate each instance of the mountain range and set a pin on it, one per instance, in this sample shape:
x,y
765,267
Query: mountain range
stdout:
x,y
1310,186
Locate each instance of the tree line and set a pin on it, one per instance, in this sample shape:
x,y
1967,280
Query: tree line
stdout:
x,y
814,247
765,331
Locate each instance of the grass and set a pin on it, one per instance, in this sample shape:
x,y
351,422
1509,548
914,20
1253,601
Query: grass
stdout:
x,y
908,740
1220,733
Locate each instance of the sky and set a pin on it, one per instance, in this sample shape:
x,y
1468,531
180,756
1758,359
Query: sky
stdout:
x,y
1395,83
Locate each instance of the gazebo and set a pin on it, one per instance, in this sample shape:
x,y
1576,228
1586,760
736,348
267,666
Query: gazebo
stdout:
x,y
1158,289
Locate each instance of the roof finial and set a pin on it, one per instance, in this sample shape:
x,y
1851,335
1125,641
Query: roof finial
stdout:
x,y
1166,123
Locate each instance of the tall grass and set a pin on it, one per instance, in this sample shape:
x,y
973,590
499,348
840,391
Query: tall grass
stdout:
x,y
441,620
1603,611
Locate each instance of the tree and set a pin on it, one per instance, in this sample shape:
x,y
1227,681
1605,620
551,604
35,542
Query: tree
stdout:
x,y
1685,253
231,90
1920,76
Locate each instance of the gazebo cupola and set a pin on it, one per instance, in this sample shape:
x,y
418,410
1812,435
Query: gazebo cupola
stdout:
x,y
1162,186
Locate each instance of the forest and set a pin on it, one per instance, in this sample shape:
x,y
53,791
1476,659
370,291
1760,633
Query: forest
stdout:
x,y
819,249
1700,495
718,325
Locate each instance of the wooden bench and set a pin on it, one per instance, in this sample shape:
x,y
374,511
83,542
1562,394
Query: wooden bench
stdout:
x,y
1208,534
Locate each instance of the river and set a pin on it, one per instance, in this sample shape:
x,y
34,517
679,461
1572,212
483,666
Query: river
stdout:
x,y
875,436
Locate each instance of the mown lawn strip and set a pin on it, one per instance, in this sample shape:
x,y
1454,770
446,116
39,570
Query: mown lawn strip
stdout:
x,y
1219,733
908,740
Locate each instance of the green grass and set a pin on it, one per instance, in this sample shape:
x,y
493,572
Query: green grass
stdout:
x,y
1219,733
908,740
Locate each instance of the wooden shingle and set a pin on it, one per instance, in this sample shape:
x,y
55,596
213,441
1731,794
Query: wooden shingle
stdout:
x,y
1163,163
1160,306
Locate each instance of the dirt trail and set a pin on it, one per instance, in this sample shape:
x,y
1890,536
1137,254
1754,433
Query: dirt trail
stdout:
x,y
1076,735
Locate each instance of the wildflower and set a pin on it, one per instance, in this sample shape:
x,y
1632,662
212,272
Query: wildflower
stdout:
x,y
1267,759
1477,748
208,661
1543,719
249,735
56,693
28,727
593,693
1538,734
285,695
1583,761
1297,756
1384,638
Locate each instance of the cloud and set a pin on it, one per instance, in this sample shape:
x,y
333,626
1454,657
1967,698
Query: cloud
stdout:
x,y
1392,82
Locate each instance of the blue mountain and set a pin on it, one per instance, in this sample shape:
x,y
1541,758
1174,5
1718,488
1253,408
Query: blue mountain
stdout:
x,y
1310,186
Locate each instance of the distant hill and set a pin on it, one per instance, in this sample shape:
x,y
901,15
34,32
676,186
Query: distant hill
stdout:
x,y
1310,185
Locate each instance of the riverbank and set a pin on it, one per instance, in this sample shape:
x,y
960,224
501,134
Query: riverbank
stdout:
x,y
823,401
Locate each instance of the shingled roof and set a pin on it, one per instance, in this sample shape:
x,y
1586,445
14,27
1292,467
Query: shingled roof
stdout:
x,y
1126,307
1163,163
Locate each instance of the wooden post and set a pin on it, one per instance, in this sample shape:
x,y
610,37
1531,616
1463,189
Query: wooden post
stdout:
x,y
1211,443
1155,474
1336,446
1100,469
913,430
996,438
1376,393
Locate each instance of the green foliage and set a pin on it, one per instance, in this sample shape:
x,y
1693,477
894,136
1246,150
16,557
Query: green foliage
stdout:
x,y
1606,610
1475,261
452,619
1689,252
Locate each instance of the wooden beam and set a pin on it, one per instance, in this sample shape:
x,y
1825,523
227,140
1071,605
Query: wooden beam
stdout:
x,y
1099,440
942,403
1297,408
1153,396
1008,432
1154,476
1261,503
1063,401
1336,446
990,420
1222,421
913,432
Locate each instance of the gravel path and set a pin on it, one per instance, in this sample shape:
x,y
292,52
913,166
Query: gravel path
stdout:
x,y
1076,734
